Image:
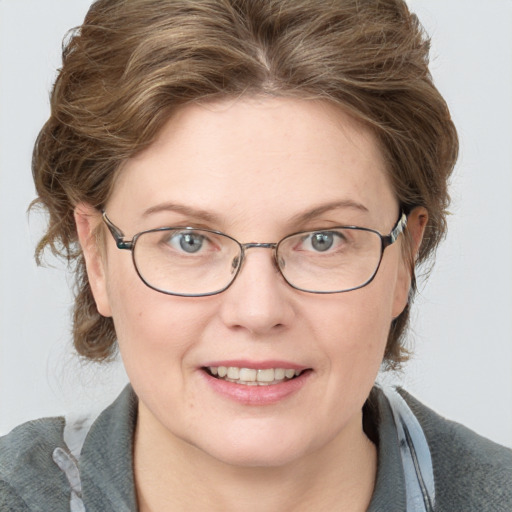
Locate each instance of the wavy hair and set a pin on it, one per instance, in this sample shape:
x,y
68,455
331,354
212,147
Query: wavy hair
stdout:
x,y
131,64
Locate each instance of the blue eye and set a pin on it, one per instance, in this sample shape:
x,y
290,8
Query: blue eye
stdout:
x,y
188,242
322,241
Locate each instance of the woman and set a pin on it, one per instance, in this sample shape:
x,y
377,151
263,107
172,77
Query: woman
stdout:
x,y
245,188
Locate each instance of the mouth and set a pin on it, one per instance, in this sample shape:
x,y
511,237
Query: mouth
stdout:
x,y
252,376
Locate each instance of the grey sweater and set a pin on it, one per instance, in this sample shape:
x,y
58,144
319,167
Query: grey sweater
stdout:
x,y
471,474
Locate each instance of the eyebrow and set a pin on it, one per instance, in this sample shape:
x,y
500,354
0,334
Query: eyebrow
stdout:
x,y
214,219
319,210
183,209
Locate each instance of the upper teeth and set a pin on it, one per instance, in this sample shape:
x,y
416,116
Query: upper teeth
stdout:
x,y
252,376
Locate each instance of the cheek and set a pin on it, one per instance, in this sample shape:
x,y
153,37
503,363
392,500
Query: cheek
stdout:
x,y
152,323
155,331
350,333
354,328
157,338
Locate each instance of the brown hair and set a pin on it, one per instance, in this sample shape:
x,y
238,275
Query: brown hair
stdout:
x,y
132,63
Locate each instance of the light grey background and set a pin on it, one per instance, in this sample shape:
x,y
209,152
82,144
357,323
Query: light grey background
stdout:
x,y
462,321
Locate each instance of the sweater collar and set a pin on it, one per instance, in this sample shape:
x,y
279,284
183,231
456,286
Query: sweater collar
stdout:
x,y
106,460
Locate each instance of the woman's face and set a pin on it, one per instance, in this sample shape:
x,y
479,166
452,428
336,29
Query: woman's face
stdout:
x,y
256,169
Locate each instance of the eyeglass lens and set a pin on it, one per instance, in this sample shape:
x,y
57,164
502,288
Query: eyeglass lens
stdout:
x,y
200,262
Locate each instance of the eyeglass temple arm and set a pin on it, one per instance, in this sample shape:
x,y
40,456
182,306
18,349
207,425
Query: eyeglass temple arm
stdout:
x,y
395,233
117,234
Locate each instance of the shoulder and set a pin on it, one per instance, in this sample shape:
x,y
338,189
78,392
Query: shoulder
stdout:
x,y
27,471
10,501
39,469
31,442
471,473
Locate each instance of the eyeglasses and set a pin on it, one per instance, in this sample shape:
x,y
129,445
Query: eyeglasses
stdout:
x,y
192,262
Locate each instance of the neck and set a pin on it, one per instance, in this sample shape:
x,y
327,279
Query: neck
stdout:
x,y
170,472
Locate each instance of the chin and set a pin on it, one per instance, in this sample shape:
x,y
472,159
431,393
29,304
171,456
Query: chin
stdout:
x,y
244,457
262,449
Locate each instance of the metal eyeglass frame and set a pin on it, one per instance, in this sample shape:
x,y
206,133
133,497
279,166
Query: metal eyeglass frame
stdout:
x,y
121,243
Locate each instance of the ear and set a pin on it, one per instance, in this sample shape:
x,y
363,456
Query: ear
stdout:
x,y
416,223
87,219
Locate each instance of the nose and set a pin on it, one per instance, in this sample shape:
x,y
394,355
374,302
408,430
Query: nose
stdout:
x,y
259,301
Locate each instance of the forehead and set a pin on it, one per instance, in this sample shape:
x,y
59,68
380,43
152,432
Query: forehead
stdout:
x,y
249,157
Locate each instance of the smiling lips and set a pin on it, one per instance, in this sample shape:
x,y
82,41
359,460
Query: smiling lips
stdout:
x,y
255,384
251,376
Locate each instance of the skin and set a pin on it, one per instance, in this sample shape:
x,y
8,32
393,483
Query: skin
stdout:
x,y
251,168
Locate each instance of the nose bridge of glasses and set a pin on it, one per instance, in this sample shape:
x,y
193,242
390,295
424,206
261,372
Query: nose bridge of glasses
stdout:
x,y
253,245
259,246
